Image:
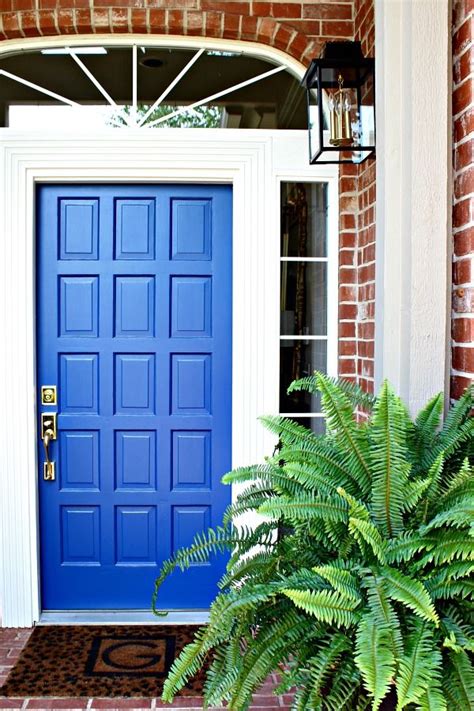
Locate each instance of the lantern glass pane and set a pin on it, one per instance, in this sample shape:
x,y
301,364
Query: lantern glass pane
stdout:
x,y
313,123
367,111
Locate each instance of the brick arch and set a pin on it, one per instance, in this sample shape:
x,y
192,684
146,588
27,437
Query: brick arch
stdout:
x,y
36,18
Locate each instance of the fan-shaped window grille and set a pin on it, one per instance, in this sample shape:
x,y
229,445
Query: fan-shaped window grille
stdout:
x,y
134,86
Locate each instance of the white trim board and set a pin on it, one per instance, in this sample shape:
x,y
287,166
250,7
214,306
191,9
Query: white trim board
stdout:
x,y
254,162
413,265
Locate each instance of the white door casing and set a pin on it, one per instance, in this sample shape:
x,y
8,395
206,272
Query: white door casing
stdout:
x,y
254,162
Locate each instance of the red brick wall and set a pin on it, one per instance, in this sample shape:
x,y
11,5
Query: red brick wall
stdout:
x,y
357,252
462,365
299,28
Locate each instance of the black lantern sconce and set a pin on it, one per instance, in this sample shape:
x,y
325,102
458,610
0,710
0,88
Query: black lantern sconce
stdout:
x,y
340,88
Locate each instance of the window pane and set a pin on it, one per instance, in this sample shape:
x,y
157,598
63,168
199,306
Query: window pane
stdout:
x,y
303,299
297,360
303,219
315,424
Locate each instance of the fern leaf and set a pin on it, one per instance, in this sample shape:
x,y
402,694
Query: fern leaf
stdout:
x,y
374,659
340,421
253,473
326,605
326,460
357,396
432,700
455,419
406,547
410,593
187,664
383,614
445,547
463,632
341,580
414,491
287,430
306,507
419,668
460,515
365,532
426,425
321,666
389,461
459,681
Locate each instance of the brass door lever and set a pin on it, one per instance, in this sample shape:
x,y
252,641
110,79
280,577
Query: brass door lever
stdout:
x,y
48,433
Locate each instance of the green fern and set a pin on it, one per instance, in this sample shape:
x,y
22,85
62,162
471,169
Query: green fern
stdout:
x,y
356,580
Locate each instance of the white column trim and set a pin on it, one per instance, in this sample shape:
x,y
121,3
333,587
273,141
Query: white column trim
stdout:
x,y
253,161
413,95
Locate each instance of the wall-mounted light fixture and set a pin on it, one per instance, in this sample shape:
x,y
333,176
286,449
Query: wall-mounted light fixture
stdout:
x,y
340,87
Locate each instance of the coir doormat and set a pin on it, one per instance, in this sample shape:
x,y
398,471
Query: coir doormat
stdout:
x,y
108,661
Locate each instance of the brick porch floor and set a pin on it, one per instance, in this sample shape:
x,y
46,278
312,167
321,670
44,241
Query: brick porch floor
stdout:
x,y
12,642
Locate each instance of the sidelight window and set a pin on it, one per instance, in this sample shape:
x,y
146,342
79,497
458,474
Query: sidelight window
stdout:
x,y
303,296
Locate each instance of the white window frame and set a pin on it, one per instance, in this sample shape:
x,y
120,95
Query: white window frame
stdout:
x,y
254,162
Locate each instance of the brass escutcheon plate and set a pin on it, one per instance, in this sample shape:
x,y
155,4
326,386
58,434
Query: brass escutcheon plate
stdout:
x,y
48,395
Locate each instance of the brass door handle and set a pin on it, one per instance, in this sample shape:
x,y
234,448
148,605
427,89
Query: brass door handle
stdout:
x,y
48,467
48,433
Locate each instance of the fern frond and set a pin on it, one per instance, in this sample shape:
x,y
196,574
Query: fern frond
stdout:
x,y
326,605
321,666
258,566
452,590
432,700
326,460
446,546
457,480
287,430
341,580
411,593
340,421
455,419
306,507
374,659
250,499
383,614
458,516
463,632
458,683
277,641
365,532
426,424
187,664
419,668
414,491
253,473
357,396
389,461
406,546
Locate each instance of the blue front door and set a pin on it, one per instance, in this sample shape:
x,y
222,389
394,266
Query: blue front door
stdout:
x,y
134,330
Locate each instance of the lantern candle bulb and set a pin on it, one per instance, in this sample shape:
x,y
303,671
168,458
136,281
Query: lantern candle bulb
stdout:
x,y
340,116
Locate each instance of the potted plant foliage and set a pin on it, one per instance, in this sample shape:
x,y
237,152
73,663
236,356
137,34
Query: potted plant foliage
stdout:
x,y
356,583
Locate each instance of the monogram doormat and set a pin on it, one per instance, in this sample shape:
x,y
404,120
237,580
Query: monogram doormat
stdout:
x,y
110,661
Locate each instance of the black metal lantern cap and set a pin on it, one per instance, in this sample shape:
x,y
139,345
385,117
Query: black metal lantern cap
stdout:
x,y
340,87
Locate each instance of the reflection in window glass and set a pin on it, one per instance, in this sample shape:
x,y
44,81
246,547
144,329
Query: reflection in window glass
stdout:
x,y
315,424
303,219
303,298
298,359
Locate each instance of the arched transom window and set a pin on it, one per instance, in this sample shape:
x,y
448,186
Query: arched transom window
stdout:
x,y
144,86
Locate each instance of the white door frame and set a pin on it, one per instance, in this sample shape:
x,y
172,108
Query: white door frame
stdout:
x,y
254,162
